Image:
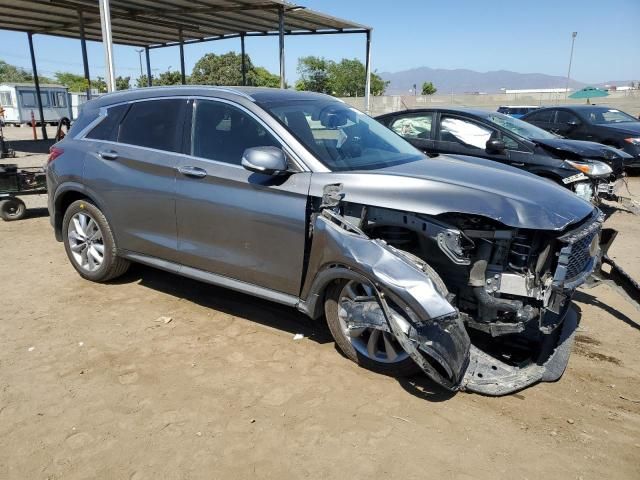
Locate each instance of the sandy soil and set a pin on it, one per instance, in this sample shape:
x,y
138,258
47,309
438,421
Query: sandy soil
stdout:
x,y
93,386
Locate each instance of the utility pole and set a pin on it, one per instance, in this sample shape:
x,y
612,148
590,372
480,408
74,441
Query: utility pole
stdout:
x,y
140,52
573,41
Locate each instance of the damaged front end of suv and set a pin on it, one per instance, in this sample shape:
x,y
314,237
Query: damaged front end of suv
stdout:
x,y
476,304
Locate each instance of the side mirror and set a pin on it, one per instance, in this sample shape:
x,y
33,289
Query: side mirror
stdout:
x,y
572,124
265,160
495,146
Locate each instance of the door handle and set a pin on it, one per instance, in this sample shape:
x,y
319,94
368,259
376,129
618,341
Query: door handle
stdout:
x,y
517,164
108,154
190,171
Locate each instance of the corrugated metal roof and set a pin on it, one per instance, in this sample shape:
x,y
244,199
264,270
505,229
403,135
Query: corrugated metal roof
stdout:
x,y
165,22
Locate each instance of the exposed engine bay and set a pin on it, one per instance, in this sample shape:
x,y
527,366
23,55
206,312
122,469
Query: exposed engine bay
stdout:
x,y
503,320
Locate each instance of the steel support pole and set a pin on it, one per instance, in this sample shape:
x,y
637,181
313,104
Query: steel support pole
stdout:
x,y
244,64
107,42
367,81
281,38
183,77
36,81
85,61
573,41
149,79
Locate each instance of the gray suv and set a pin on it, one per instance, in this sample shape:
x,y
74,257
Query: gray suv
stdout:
x,y
463,271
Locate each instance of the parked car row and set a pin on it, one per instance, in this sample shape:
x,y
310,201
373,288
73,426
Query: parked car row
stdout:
x,y
463,269
586,168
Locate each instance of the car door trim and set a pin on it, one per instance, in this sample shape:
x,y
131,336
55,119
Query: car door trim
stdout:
x,y
212,278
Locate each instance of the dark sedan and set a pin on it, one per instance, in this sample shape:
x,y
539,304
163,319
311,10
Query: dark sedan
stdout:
x,y
596,123
586,168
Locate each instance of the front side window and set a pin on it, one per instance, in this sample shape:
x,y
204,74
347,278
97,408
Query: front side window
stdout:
x,y
519,127
5,99
563,117
545,116
223,132
341,137
465,132
413,126
154,124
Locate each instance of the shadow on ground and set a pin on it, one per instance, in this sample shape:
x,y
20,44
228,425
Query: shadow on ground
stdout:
x,y
581,296
230,302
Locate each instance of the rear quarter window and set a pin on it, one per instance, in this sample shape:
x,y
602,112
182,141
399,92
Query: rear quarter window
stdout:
x,y
107,129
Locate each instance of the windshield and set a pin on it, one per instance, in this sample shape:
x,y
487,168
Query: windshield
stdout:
x,y
341,137
520,127
603,115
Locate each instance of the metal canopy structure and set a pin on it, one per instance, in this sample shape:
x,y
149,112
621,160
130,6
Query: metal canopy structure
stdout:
x,y
162,23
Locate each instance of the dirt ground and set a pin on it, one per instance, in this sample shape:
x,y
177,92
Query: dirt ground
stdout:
x,y
92,385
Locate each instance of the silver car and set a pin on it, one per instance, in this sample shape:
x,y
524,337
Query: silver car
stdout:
x,y
462,271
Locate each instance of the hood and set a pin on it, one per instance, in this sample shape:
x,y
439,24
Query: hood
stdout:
x,y
629,128
448,184
580,150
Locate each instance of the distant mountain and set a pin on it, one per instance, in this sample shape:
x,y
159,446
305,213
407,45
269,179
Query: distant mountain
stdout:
x,y
462,80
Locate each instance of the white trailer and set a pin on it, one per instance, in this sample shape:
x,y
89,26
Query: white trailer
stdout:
x,y
19,99
78,99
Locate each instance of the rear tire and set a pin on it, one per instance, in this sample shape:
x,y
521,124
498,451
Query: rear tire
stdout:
x,y
90,244
12,209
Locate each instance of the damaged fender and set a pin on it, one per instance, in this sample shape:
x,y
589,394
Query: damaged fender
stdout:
x,y
425,324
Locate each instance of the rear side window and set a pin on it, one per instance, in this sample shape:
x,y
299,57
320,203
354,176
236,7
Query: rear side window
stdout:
x,y
413,126
107,129
154,124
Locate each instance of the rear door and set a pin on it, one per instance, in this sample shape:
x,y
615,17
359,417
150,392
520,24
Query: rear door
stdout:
x,y
416,128
243,225
131,169
568,125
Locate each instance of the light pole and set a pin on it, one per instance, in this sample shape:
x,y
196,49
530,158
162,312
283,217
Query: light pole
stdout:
x,y
140,51
573,40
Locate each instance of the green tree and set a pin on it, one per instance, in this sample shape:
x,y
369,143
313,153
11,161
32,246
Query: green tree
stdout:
x,y
123,83
75,83
170,77
12,74
225,69
99,84
428,88
314,74
141,81
261,77
345,78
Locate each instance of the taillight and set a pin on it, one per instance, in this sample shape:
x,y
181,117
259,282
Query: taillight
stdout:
x,y
54,152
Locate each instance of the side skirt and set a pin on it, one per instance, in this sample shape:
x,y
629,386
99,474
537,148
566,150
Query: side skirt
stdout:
x,y
212,278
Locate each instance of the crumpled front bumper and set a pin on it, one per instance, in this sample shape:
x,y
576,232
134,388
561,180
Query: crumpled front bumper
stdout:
x,y
420,317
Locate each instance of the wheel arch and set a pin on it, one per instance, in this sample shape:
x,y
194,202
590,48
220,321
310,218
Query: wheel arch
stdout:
x,y
65,195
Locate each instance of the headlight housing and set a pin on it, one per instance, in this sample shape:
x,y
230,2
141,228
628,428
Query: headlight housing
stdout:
x,y
633,141
593,168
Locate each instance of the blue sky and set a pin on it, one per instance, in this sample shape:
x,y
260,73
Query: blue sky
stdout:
x,y
523,36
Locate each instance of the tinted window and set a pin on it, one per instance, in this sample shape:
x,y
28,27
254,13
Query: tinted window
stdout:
x,y
543,116
107,129
154,124
413,126
565,117
465,132
223,132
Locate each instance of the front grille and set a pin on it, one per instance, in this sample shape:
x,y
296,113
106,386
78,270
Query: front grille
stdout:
x,y
579,256
576,258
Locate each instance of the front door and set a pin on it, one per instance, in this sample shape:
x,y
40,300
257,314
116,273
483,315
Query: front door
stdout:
x,y
233,222
464,136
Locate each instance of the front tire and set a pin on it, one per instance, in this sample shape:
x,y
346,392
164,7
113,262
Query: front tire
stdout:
x,y
89,243
370,348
